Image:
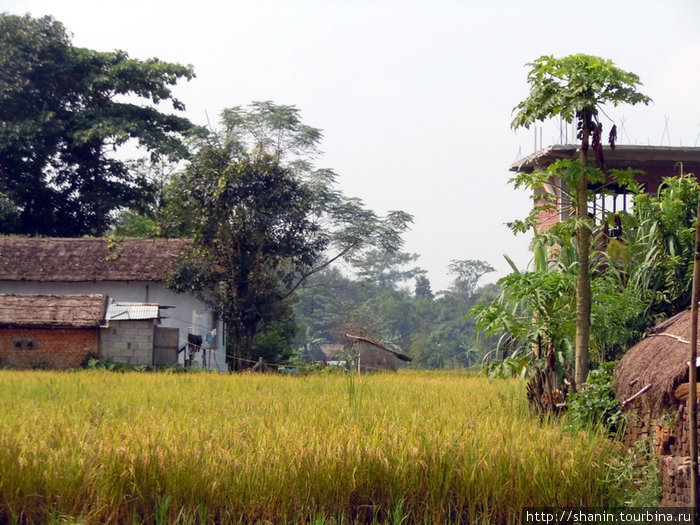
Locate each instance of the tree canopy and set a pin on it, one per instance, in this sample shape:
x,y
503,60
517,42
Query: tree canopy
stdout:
x,y
263,219
573,87
64,111
638,278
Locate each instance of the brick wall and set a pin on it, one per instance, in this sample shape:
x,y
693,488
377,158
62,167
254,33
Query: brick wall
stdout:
x,y
671,444
546,219
127,342
54,348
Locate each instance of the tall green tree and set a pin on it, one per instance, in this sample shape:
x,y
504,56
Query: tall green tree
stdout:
x,y
263,220
422,288
64,111
467,273
574,88
386,270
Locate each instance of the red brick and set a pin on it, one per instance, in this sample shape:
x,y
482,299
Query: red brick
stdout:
x,y
56,348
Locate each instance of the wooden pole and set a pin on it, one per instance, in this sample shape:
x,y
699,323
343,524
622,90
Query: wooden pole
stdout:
x,y
693,373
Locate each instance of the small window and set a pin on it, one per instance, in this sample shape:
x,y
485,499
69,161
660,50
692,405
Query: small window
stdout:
x,y
24,343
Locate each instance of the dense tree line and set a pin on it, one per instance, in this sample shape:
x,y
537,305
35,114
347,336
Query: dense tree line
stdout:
x,y
376,297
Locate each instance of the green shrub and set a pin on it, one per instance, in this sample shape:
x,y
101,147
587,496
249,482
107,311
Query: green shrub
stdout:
x,y
595,403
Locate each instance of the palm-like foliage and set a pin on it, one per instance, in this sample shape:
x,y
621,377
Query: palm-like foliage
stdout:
x,y
642,277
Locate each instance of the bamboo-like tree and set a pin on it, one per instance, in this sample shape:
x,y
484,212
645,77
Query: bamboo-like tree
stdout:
x,y
575,87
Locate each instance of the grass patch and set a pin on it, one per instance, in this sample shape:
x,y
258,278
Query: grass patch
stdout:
x,y
96,447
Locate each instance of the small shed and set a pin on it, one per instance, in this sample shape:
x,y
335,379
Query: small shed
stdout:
x,y
52,331
131,335
651,381
333,353
373,356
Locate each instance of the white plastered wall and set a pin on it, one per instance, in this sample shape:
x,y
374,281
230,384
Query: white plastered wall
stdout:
x,y
181,316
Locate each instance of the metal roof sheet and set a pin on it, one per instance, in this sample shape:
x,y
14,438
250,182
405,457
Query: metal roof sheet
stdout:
x,y
132,311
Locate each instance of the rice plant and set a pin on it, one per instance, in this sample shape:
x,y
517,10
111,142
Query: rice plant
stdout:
x,y
420,447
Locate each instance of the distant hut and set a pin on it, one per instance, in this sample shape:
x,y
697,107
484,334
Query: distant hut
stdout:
x,y
652,384
333,353
373,356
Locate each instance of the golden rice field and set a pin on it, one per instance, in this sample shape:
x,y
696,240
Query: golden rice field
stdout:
x,y
104,447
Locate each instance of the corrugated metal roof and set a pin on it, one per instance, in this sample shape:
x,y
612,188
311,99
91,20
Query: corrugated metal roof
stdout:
x,y
132,311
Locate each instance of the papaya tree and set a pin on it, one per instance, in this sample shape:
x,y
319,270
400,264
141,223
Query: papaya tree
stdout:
x,y
575,87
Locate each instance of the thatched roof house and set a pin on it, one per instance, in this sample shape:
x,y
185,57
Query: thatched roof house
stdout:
x,y
126,270
659,363
651,382
53,331
374,356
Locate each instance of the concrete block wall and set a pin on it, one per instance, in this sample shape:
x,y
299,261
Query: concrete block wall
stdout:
x,y
128,342
53,348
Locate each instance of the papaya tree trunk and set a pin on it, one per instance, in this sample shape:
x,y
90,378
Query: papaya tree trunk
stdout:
x,y
584,297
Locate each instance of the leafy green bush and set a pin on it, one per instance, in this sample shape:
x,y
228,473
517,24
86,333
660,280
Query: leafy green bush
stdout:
x,y
595,403
637,475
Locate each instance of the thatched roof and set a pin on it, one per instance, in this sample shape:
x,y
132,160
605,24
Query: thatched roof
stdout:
x,y
353,339
52,311
659,361
87,259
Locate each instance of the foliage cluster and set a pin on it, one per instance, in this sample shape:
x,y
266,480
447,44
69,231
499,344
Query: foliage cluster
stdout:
x,y
97,447
430,328
595,403
637,472
64,112
638,277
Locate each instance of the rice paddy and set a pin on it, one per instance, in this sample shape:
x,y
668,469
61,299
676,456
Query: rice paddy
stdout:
x,y
102,447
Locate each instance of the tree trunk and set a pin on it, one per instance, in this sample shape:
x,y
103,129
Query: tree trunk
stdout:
x,y
237,349
251,330
583,279
583,287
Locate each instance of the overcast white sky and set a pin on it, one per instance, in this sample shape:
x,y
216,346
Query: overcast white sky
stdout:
x,y
414,97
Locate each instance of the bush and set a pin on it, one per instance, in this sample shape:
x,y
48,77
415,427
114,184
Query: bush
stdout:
x,y
595,403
